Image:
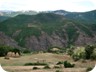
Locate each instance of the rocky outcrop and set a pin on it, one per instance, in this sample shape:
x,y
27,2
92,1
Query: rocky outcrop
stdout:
x,y
84,39
45,41
5,40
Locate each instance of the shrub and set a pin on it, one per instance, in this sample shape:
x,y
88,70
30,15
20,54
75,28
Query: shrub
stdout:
x,y
79,53
46,67
37,63
70,50
26,51
89,50
68,64
88,69
6,57
93,55
59,63
28,64
58,71
57,66
34,68
75,57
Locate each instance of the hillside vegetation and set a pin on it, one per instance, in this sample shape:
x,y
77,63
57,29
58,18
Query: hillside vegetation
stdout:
x,y
44,30
2,18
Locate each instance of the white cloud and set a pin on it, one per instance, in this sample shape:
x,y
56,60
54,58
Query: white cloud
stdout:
x,y
94,2
39,5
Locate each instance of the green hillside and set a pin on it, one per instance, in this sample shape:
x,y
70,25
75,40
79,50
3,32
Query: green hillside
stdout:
x,y
2,18
88,17
23,26
9,13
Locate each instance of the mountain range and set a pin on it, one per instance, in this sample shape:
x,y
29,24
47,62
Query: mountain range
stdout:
x,y
40,31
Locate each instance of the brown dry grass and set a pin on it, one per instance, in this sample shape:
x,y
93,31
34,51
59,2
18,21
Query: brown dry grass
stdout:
x,y
17,64
29,69
48,57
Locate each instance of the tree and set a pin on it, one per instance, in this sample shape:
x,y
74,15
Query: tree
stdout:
x,y
89,50
93,55
15,50
4,50
68,64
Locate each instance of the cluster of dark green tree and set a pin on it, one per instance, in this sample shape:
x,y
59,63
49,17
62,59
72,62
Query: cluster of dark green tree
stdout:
x,y
88,52
66,64
5,49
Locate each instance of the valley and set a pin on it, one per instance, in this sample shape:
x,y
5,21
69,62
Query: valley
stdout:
x,y
49,41
45,30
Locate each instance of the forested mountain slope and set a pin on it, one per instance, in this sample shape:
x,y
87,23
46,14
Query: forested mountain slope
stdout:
x,y
45,30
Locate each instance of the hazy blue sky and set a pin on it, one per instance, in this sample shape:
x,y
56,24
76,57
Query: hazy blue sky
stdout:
x,y
43,5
